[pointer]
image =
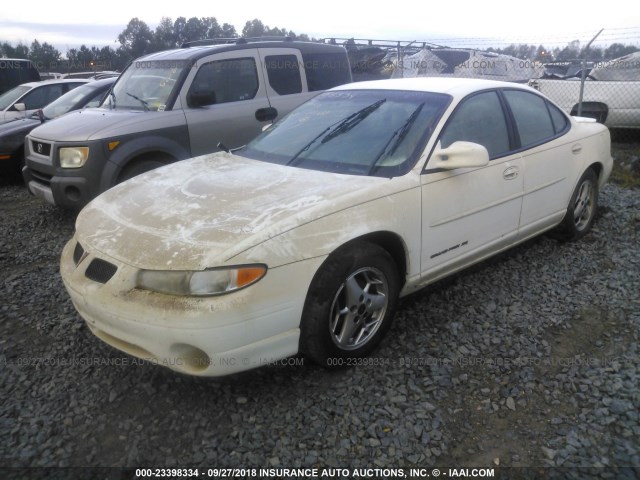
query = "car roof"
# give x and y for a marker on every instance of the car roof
(54, 81)
(456, 87)
(195, 52)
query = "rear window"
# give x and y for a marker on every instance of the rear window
(326, 70)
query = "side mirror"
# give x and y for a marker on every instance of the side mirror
(201, 99)
(20, 107)
(267, 114)
(459, 155)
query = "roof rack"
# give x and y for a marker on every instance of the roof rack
(236, 40)
(365, 42)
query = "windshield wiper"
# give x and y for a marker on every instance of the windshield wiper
(343, 126)
(144, 103)
(399, 135)
(353, 120)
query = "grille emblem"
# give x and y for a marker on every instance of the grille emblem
(39, 147)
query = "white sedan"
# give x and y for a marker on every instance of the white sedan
(303, 241)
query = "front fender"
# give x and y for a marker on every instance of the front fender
(172, 142)
(397, 214)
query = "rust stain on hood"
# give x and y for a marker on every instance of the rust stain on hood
(198, 213)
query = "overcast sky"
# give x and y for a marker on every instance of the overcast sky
(69, 23)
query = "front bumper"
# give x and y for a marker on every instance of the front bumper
(69, 188)
(204, 336)
(69, 192)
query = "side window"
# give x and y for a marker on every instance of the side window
(559, 120)
(227, 80)
(531, 115)
(283, 72)
(42, 96)
(326, 70)
(479, 119)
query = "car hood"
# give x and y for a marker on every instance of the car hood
(17, 126)
(98, 123)
(202, 212)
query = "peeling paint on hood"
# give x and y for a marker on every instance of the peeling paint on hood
(199, 213)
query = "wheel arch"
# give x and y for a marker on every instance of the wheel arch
(159, 155)
(144, 148)
(392, 243)
(596, 167)
(389, 241)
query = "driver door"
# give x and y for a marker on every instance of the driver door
(235, 84)
(469, 213)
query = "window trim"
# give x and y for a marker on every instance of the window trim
(515, 145)
(546, 101)
(265, 52)
(511, 133)
(230, 59)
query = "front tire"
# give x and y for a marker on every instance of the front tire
(582, 208)
(350, 304)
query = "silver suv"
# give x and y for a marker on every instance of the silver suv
(173, 105)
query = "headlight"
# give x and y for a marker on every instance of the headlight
(216, 281)
(73, 157)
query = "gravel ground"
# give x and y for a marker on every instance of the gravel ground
(527, 360)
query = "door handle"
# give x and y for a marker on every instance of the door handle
(266, 114)
(577, 148)
(510, 173)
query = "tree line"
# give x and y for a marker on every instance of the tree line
(138, 39)
(135, 40)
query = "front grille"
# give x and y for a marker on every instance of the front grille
(40, 177)
(41, 148)
(77, 253)
(100, 271)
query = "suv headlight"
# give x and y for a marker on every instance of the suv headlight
(215, 281)
(73, 157)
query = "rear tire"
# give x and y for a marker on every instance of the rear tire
(582, 208)
(350, 305)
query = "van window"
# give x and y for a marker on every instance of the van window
(284, 74)
(227, 80)
(326, 70)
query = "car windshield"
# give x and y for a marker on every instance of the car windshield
(8, 98)
(359, 132)
(146, 86)
(68, 101)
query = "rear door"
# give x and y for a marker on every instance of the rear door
(235, 82)
(547, 154)
(285, 78)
